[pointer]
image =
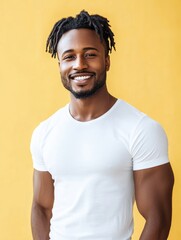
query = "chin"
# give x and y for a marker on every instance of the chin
(86, 94)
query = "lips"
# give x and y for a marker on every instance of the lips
(81, 76)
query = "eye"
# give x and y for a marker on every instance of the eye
(90, 55)
(68, 57)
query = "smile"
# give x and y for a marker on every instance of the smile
(80, 78)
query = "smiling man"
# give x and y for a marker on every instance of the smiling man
(89, 59)
(98, 154)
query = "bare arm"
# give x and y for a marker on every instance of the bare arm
(153, 192)
(43, 197)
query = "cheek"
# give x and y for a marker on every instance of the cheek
(98, 66)
(64, 68)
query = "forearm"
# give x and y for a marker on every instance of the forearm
(40, 223)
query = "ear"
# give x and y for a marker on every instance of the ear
(107, 62)
(58, 60)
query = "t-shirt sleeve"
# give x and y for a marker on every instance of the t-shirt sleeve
(149, 145)
(36, 148)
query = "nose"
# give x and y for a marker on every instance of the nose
(80, 63)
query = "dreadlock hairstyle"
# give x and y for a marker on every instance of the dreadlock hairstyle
(83, 20)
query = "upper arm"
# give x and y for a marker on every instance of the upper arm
(43, 189)
(153, 191)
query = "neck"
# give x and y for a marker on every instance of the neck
(91, 107)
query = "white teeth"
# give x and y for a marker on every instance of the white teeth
(81, 78)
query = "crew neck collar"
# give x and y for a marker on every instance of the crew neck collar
(107, 113)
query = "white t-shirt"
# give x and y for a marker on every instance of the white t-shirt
(92, 166)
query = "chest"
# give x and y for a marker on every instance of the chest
(72, 150)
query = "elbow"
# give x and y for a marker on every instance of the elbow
(159, 225)
(38, 209)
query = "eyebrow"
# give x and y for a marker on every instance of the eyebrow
(85, 49)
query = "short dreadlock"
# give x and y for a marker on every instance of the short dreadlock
(83, 20)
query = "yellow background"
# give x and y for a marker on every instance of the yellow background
(145, 71)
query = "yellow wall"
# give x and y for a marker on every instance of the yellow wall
(145, 71)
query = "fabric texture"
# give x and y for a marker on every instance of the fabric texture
(92, 165)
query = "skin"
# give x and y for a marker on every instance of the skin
(81, 53)
(43, 197)
(153, 193)
(85, 55)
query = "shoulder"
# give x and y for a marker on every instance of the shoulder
(144, 128)
(147, 140)
(139, 120)
(128, 112)
(148, 144)
(48, 124)
(126, 116)
(148, 127)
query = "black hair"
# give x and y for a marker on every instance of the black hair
(82, 20)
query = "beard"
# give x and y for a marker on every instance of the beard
(85, 93)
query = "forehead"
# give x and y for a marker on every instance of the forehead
(79, 39)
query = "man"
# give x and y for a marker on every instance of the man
(95, 155)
